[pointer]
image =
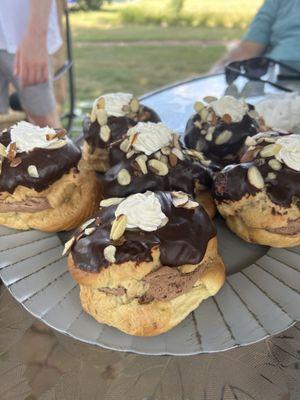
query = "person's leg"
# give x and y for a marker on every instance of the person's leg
(38, 101)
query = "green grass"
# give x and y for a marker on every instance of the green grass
(138, 68)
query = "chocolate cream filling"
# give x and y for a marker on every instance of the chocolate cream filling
(163, 285)
(227, 152)
(51, 166)
(183, 240)
(30, 205)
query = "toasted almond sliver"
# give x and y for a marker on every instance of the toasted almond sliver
(2, 150)
(130, 154)
(270, 150)
(158, 167)
(165, 151)
(57, 144)
(124, 146)
(89, 231)
(198, 124)
(134, 105)
(198, 106)
(178, 153)
(178, 194)
(32, 171)
(15, 162)
(123, 177)
(180, 201)
(227, 118)
(141, 161)
(275, 164)
(191, 205)
(204, 114)
(86, 224)
(118, 227)
(111, 201)
(224, 137)
(271, 176)
(100, 103)
(250, 141)
(195, 154)
(102, 117)
(105, 133)
(109, 253)
(255, 178)
(68, 245)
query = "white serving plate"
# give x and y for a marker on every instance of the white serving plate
(260, 298)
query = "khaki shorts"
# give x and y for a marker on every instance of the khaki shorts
(36, 100)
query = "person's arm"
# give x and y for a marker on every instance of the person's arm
(257, 39)
(31, 59)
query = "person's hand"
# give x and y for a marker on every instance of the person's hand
(31, 60)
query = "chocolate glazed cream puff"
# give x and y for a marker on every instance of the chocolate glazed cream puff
(111, 117)
(145, 262)
(153, 159)
(43, 184)
(260, 197)
(220, 128)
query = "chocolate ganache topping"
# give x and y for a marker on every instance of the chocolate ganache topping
(182, 236)
(155, 160)
(51, 164)
(221, 136)
(280, 182)
(116, 112)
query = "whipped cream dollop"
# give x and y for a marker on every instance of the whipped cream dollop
(151, 137)
(281, 111)
(115, 103)
(28, 137)
(143, 211)
(236, 108)
(290, 151)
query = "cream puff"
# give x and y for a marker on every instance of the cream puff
(220, 128)
(153, 159)
(260, 197)
(43, 184)
(111, 117)
(143, 263)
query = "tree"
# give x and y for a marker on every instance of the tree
(90, 4)
(177, 6)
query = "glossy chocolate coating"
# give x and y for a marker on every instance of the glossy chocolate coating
(240, 130)
(118, 127)
(232, 183)
(182, 241)
(51, 166)
(182, 177)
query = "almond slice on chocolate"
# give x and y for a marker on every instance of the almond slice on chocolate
(179, 199)
(57, 144)
(255, 178)
(86, 224)
(274, 164)
(105, 133)
(191, 205)
(118, 227)
(165, 151)
(158, 167)
(250, 141)
(111, 201)
(68, 245)
(32, 171)
(134, 105)
(123, 177)
(125, 145)
(109, 253)
(141, 162)
(178, 153)
(15, 162)
(223, 138)
(198, 106)
(2, 150)
(270, 150)
(102, 117)
(89, 231)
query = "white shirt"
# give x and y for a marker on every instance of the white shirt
(14, 16)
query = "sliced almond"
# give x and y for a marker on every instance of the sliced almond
(274, 164)
(57, 144)
(206, 163)
(270, 139)
(111, 201)
(93, 115)
(198, 106)
(164, 159)
(250, 141)
(118, 227)
(141, 162)
(134, 105)
(12, 151)
(86, 224)
(15, 162)
(100, 103)
(123, 177)
(176, 142)
(2, 150)
(132, 138)
(203, 114)
(124, 146)
(157, 155)
(89, 231)
(68, 245)
(209, 137)
(130, 154)
(255, 178)
(191, 205)
(178, 153)
(270, 150)
(109, 253)
(195, 154)
(271, 176)
(203, 132)
(105, 133)
(180, 201)
(178, 194)
(165, 150)
(32, 171)
(173, 160)
(209, 99)
(224, 137)
(158, 167)
(102, 117)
